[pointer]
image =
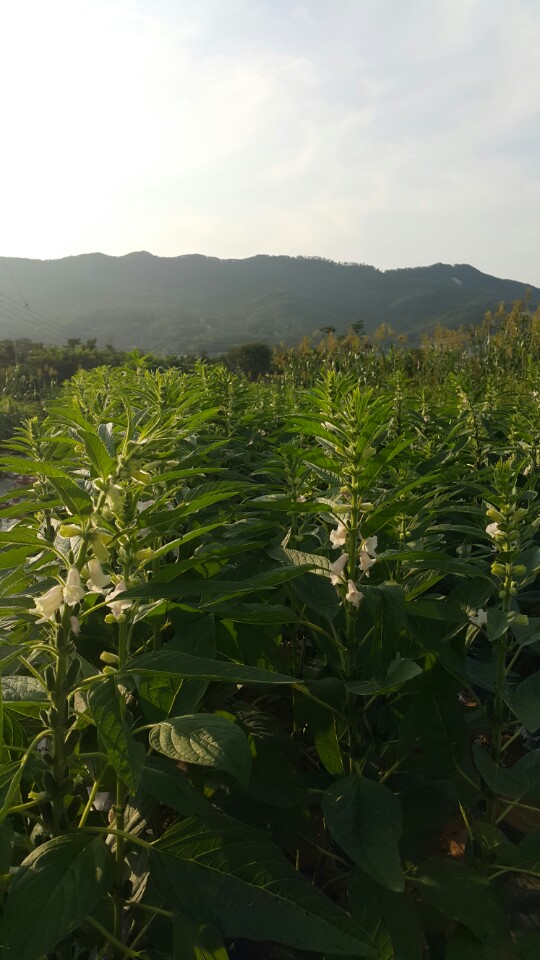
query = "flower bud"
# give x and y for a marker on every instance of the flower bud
(107, 657)
(69, 530)
(146, 554)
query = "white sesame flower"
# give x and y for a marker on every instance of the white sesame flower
(353, 595)
(367, 554)
(338, 537)
(493, 530)
(117, 607)
(75, 626)
(479, 618)
(98, 580)
(48, 604)
(337, 568)
(73, 591)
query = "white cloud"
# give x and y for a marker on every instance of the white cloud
(390, 133)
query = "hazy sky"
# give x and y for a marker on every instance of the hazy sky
(388, 132)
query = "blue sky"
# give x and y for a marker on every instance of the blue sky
(378, 131)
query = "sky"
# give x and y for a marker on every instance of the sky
(377, 131)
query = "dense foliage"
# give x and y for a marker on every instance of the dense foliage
(270, 679)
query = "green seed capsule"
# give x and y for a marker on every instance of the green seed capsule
(73, 671)
(72, 741)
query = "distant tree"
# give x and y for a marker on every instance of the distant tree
(254, 360)
(358, 327)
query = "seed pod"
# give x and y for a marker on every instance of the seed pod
(71, 741)
(64, 787)
(53, 716)
(50, 677)
(49, 783)
(72, 674)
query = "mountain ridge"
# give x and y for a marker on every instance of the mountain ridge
(192, 302)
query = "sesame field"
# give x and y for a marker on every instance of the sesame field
(270, 662)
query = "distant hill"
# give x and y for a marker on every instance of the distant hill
(193, 303)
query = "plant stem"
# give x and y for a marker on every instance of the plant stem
(120, 805)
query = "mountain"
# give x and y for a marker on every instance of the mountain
(193, 303)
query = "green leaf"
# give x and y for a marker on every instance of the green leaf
(97, 453)
(27, 689)
(55, 888)
(462, 945)
(527, 854)
(397, 909)
(459, 892)
(77, 501)
(178, 664)
(230, 876)
(164, 782)
(206, 740)
(498, 622)
(193, 941)
(125, 754)
(364, 818)
(503, 782)
(258, 613)
(399, 672)
(525, 702)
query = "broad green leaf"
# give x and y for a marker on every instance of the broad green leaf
(498, 622)
(397, 909)
(55, 888)
(527, 634)
(16, 557)
(503, 782)
(97, 453)
(193, 941)
(230, 876)
(17, 687)
(258, 613)
(525, 702)
(527, 854)
(459, 892)
(76, 500)
(125, 754)
(463, 945)
(364, 818)
(206, 740)
(157, 695)
(399, 672)
(183, 665)
(163, 780)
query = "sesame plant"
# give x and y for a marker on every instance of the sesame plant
(269, 677)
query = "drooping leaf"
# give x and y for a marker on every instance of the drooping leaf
(364, 818)
(503, 782)
(178, 664)
(399, 672)
(166, 783)
(55, 888)
(525, 702)
(459, 892)
(230, 876)
(398, 911)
